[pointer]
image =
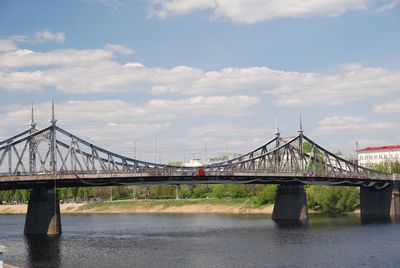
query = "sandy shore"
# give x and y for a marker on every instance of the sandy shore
(143, 207)
(5, 265)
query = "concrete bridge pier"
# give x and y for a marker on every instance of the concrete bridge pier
(380, 205)
(290, 204)
(43, 216)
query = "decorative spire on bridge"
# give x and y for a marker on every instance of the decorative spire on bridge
(53, 141)
(277, 131)
(32, 124)
(52, 120)
(301, 130)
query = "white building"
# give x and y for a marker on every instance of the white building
(193, 163)
(370, 156)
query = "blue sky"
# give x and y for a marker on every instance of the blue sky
(189, 72)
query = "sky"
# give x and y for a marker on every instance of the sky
(201, 78)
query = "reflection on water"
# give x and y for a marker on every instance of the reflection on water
(377, 220)
(290, 224)
(43, 250)
(121, 240)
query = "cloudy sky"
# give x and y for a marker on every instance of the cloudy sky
(196, 74)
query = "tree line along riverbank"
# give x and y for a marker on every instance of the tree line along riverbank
(200, 198)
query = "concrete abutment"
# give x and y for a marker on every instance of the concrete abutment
(43, 216)
(290, 204)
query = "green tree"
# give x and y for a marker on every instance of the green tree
(317, 162)
(74, 192)
(266, 195)
(63, 194)
(219, 191)
(8, 196)
(335, 199)
(219, 158)
(236, 191)
(201, 191)
(311, 192)
(307, 147)
(162, 192)
(388, 167)
(186, 191)
(135, 192)
(21, 196)
(84, 193)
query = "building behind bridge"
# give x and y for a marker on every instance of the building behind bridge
(193, 163)
(371, 156)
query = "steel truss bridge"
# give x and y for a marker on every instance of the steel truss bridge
(53, 157)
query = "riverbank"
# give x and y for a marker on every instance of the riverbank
(5, 265)
(220, 206)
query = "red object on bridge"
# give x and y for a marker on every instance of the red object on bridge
(200, 172)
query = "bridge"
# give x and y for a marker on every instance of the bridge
(50, 158)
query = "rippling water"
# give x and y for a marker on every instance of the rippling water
(156, 240)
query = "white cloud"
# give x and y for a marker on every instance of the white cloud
(7, 45)
(334, 124)
(40, 37)
(391, 107)
(114, 112)
(27, 58)
(95, 71)
(352, 124)
(46, 36)
(219, 129)
(162, 9)
(261, 10)
(303, 89)
(205, 106)
(389, 5)
(119, 49)
(115, 4)
(112, 124)
(226, 129)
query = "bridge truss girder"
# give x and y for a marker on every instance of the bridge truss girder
(57, 153)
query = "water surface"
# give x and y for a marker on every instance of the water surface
(164, 240)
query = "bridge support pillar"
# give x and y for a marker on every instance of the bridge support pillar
(380, 205)
(43, 216)
(290, 204)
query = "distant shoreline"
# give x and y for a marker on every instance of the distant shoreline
(193, 206)
(5, 265)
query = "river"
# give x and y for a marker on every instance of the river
(164, 240)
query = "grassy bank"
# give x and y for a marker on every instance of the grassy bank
(166, 203)
(202, 205)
